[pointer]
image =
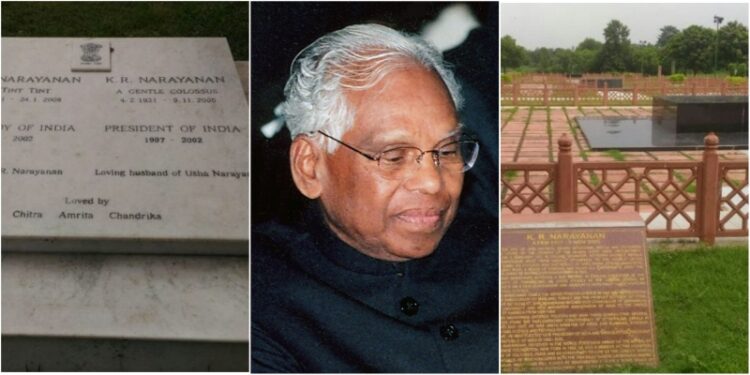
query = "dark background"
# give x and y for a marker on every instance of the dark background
(280, 30)
(130, 19)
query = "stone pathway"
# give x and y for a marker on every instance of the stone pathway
(530, 134)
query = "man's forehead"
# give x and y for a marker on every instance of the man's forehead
(398, 134)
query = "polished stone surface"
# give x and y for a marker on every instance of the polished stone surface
(644, 134)
(696, 114)
(151, 156)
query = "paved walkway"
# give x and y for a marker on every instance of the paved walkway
(530, 134)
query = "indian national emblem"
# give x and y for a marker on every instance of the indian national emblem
(91, 52)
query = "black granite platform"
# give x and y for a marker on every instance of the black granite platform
(695, 114)
(644, 134)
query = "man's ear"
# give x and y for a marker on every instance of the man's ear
(305, 159)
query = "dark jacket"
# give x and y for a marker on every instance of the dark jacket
(319, 305)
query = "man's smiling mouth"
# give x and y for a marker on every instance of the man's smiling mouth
(421, 219)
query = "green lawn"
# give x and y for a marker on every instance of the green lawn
(130, 19)
(700, 303)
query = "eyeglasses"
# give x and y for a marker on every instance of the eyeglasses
(457, 156)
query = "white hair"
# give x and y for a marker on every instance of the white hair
(354, 58)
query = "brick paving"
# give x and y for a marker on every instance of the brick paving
(530, 134)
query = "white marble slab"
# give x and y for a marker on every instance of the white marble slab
(154, 151)
(90, 55)
(152, 297)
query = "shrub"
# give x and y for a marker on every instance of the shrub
(738, 69)
(677, 78)
(737, 80)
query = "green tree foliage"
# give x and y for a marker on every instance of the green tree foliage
(589, 44)
(733, 47)
(543, 60)
(558, 60)
(692, 49)
(585, 56)
(665, 34)
(512, 55)
(564, 60)
(645, 59)
(616, 54)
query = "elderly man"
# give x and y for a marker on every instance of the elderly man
(381, 275)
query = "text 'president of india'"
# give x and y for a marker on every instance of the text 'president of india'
(382, 275)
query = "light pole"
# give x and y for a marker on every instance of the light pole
(717, 20)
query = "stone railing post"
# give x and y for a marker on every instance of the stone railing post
(516, 91)
(710, 192)
(635, 95)
(723, 88)
(565, 194)
(606, 94)
(575, 95)
(546, 93)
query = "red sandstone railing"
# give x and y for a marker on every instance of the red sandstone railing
(560, 91)
(706, 198)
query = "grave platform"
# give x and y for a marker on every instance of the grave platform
(701, 114)
(125, 226)
(677, 123)
(645, 134)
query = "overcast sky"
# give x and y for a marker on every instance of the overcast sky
(566, 25)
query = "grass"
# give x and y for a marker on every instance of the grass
(523, 134)
(573, 129)
(510, 116)
(510, 175)
(691, 188)
(701, 310)
(594, 178)
(130, 19)
(550, 141)
(615, 154)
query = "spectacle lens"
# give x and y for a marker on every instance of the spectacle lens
(454, 157)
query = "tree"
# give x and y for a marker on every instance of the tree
(563, 60)
(666, 33)
(585, 56)
(693, 49)
(615, 55)
(589, 44)
(645, 59)
(512, 55)
(732, 45)
(585, 61)
(542, 59)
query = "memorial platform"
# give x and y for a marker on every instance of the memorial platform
(132, 255)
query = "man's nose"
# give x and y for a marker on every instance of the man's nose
(426, 177)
